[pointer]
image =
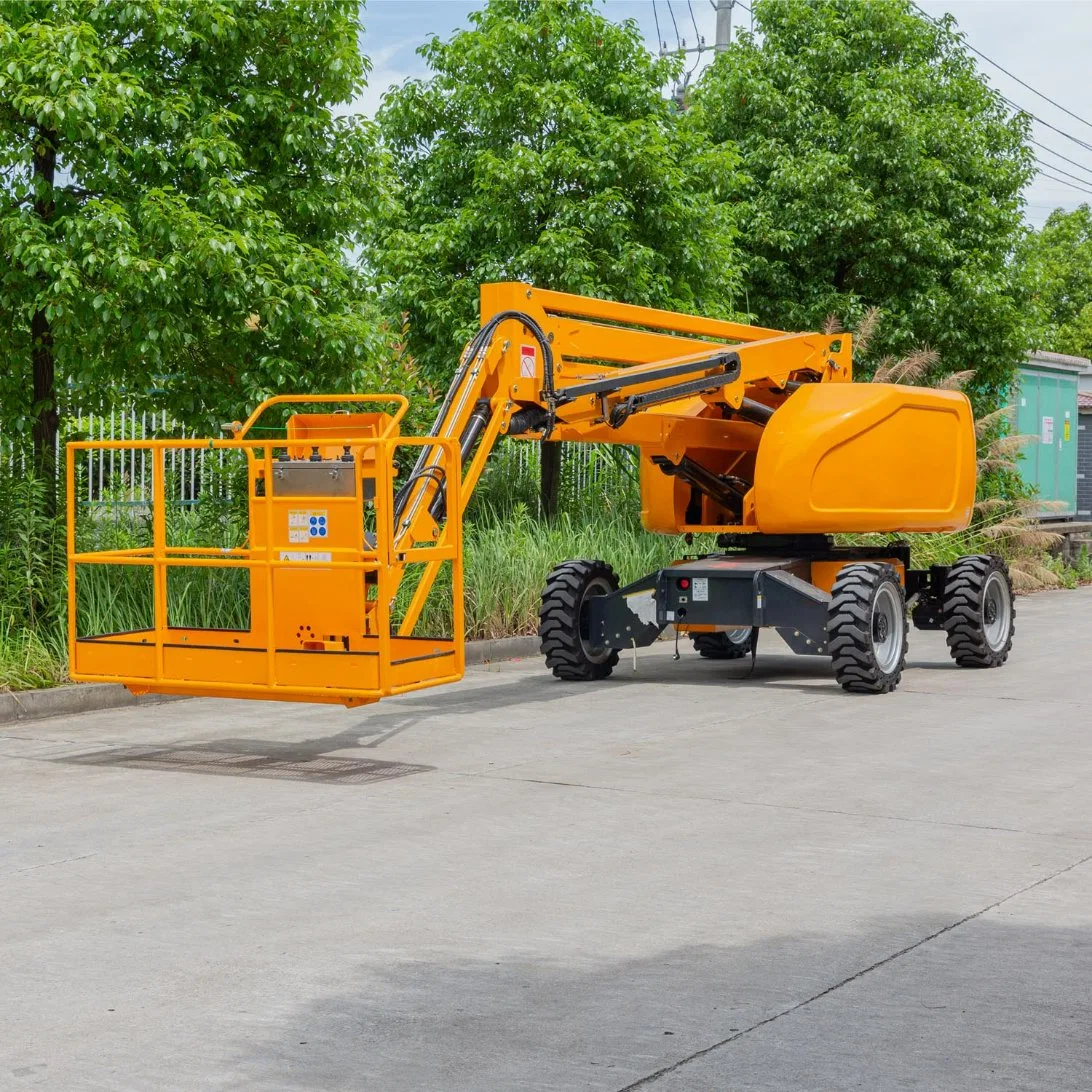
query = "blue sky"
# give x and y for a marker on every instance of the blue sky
(1045, 43)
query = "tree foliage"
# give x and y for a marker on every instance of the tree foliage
(541, 149)
(176, 199)
(882, 171)
(1057, 264)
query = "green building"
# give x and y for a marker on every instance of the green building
(1046, 409)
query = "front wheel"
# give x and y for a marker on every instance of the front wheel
(563, 621)
(867, 628)
(978, 612)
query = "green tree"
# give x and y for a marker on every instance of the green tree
(1056, 262)
(176, 201)
(542, 149)
(882, 171)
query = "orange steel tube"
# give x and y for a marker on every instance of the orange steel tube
(70, 530)
(326, 399)
(159, 570)
(161, 557)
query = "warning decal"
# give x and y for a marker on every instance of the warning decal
(305, 555)
(527, 367)
(307, 525)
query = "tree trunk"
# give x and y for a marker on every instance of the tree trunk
(45, 396)
(44, 373)
(550, 485)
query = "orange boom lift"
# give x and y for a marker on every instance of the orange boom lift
(756, 436)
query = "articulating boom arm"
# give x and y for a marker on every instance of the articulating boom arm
(687, 391)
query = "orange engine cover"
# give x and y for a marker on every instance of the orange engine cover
(866, 457)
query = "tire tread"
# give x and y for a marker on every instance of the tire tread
(559, 621)
(962, 611)
(849, 633)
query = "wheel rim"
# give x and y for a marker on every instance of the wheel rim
(595, 654)
(887, 628)
(738, 636)
(996, 611)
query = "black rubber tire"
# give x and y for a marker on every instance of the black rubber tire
(852, 628)
(718, 646)
(562, 622)
(967, 610)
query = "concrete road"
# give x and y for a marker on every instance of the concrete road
(686, 878)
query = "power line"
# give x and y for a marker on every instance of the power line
(699, 41)
(1016, 106)
(1011, 76)
(1068, 185)
(1035, 117)
(659, 36)
(693, 19)
(671, 12)
(1065, 158)
(1076, 178)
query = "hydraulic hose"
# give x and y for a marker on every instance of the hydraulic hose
(473, 353)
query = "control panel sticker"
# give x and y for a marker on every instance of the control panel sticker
(700, 588)
(307, 524)
(305, 555)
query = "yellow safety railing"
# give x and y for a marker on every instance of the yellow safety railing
(395, 672)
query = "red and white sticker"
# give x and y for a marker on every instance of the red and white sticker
(527, 369)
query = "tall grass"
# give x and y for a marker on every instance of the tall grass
(507, 557)
(31, 659)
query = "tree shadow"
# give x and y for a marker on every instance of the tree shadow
(990, 1005)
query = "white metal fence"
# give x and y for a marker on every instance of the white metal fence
(118, 477)
(589, 472)
(124, 477)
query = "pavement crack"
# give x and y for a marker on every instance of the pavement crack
(804, 808)
(978, 698)
(667, 1070)
(50, 864)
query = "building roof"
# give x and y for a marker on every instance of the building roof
(1059, 361)
(1084, 400)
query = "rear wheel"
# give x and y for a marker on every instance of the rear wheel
(563, 620)
(978, 611)
(733, 644)
(867, 628)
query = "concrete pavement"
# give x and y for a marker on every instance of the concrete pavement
(686, 878)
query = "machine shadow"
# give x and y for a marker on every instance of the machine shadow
(320, 758)
(809, 675)
(991, 1005)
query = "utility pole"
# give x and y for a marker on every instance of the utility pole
(724, 23)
